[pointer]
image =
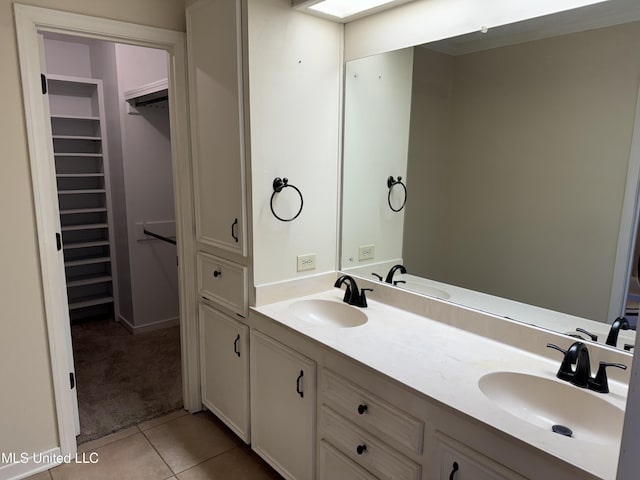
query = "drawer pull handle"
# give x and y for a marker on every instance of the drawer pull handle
(235, 345)
(454, 470)
(360, 449)
(300, 392)
(362, 408)
(233, 230)
(217, 273)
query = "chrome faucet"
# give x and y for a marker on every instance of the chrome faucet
(352, 296)
(393, 270)
(618, 324)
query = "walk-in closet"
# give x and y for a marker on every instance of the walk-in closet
(108, 105)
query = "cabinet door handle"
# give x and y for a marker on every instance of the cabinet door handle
(300, 392)
(233, 230)
(235, 345)
(362, 408)
(454, 470)
(217, 273)
(360, 449)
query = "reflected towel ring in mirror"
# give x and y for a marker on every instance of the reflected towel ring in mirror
(392, 182)
(278, 185)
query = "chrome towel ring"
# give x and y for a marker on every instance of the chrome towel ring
(392, 182)
(278, 185)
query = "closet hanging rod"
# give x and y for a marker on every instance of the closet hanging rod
(159, 237)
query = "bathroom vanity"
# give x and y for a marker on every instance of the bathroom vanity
(409, 396)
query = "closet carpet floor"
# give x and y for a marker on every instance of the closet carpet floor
(124, 379)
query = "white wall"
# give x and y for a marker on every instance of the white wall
(376, 142)
(27, 413)
(148, 182)
(424, 21)
(295, 67)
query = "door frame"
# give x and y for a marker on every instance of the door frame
(29, 21)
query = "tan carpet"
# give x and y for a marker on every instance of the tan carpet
(123, 379)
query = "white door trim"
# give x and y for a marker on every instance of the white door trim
(29, 20)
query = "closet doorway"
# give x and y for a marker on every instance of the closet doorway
(109, 112)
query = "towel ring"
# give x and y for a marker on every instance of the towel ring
(392, 182)
(278, 185)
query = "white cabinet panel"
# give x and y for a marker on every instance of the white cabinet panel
(217, 122)
(224, 351)
(283, 401)
(224, 282)
(332, 465)
(457, 462)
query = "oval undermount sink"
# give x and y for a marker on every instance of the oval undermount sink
(545, 402)
(425, 289)
(328, 313)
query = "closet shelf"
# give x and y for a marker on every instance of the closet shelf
(80, 281)
(73, 211)
(89, 226)
(148, 94)
(75, 137)
(76, 245)
(79, 175)
(76, 154)
(90, 301)
(86, 261)
(76, 117)
(81, 191)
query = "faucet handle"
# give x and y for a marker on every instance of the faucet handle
(378, 276)
(628, 346)
(600, 383)
(396, 282)
(565, 372)
(593, 337)
(363, 298)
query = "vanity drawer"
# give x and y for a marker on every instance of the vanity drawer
(371, 413)
(334, 465)
(223, 282)
(365, 449)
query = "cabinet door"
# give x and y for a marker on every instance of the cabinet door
(224, 348)
(458, 462)
(217, 122)
(283, 399)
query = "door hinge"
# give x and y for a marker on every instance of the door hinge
(72, 380)
(43, 81)
(58, 241)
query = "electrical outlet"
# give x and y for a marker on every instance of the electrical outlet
(366, 252)
(306, 262)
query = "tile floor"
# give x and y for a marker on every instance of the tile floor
(178, 446)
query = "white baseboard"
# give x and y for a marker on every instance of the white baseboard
(34, 463)
(149, 327)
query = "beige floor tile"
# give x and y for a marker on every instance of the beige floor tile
(160, 420)
(101, 442)
(237, 464)
(130, 458)
(190, 440)
(40, 476)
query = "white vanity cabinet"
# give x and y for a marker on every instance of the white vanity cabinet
(366, 429)
(224, 356)
(216, 79)
(283, 407)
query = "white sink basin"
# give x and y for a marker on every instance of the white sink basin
(328, 313)
(425, 289)
(545, 402)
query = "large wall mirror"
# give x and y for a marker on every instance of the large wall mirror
(514, 145)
